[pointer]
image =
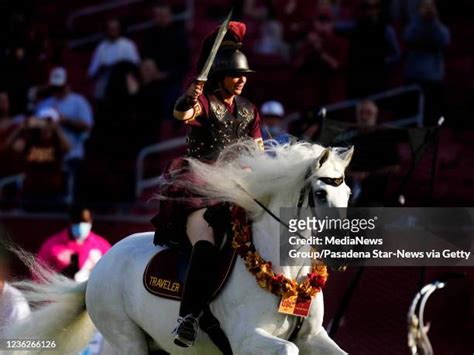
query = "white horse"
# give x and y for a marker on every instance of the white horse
(130, 318)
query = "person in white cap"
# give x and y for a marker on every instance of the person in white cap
(272, 113)
(75, 117)
(41, 144)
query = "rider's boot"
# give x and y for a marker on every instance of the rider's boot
(200, 280)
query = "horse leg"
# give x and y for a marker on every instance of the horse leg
(262, 342)
(121, 333)
(313, 338)
(125, 337)
(319, 343)
(105, 301)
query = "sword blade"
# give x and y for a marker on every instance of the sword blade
(215, 47)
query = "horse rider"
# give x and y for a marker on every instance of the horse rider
(217, 116)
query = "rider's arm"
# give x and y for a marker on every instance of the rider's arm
(188, 107)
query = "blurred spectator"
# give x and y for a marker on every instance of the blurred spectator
(427, 38)
(367, 113)
(9, 162)
(214, 10)
(295, 15)
(255, 9)
(13, 305)
(75, 119)
(115, 68)
(42, 144)
(4, 107)
(272, 113)
(23, 60)
(150, 106)
(167, 44)
(404, 11)
(373, 47)
(7, 121)
(322, 57)
(14, 28)
(15, 76)
(74, 251)
(112, 51)
(271, 41)
(309, 125)
(375, 157)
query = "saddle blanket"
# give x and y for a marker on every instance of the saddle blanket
(166, 271)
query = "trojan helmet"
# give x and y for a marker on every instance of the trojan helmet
(230, 61)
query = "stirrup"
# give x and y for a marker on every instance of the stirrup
(185, 332)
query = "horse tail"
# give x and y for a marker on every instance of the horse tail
(59, 309)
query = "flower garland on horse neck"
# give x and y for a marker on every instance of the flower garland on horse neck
(278, 284)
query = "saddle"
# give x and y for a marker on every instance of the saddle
(166, 271)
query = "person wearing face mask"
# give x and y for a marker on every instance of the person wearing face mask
(75, 250)
(272, 115)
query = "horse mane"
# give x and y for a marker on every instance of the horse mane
(243, 166)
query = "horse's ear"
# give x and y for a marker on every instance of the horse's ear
(318, 162)
(346, 154)
(323, 158)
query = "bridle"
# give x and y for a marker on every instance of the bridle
(307, 189)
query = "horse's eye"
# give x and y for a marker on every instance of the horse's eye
(321, 195)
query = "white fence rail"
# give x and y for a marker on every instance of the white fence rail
(11, 180)
(142, 183)
(400, 122)
(110, 6)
